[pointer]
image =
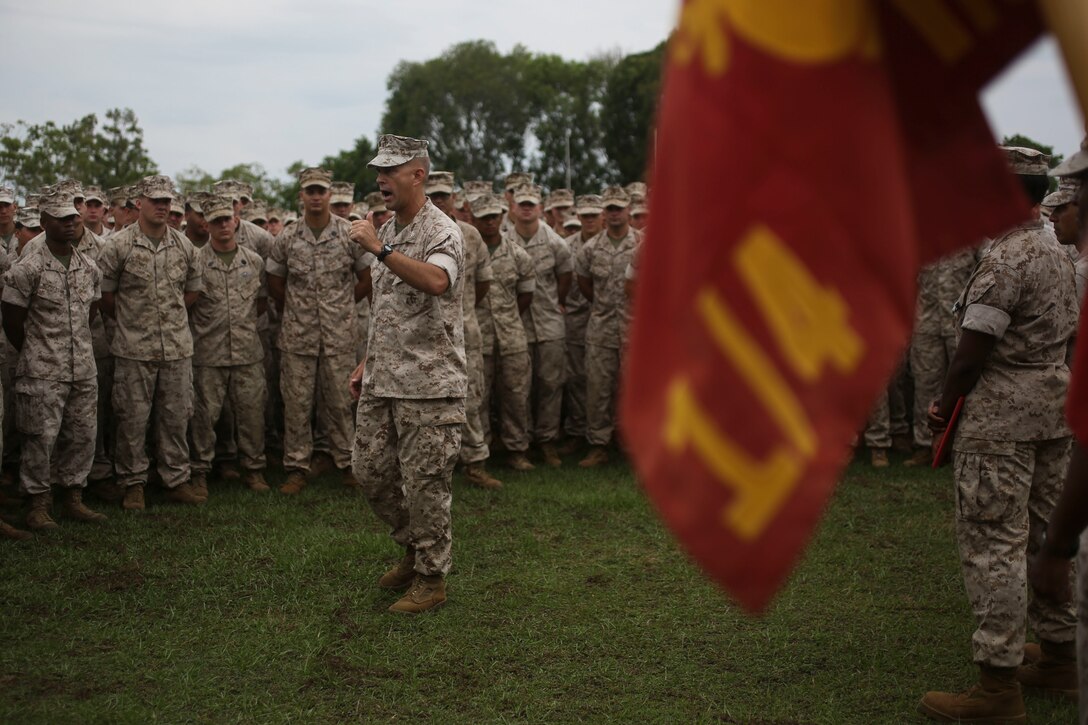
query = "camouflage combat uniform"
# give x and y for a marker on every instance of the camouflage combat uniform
(317, 336)
(1012, 444)
(152, 348)
(935, 332)
(576, 320)
(228, 356)
(545, 330)
(605, 263)
(477, 268)
(56, 386)
(412, 407)
(507, 370)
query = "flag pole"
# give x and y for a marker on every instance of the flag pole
(1068, 21)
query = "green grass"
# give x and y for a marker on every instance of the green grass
(569, 602)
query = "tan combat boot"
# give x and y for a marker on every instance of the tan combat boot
(183, 493)
(570, 445)
(227, 472)
(296, 481)
(348, 478)
(1053, 669)
(402, 574)
(320, 464)
(427, 592)
(134, 498)
(922, 457)
(597, 456)
(551, 455)
(519, 462)
(478, 475)
(995, 699)
(199, 484)
(38, 518)
(878, 457)
(254, 481)
(107, 489)
(8, 531)
(74, 508)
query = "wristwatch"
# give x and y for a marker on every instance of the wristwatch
(386, 251)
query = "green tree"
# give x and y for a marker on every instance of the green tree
(265, 187)
(119, 153)
(629, 110)
(351, 165)
(469, 103)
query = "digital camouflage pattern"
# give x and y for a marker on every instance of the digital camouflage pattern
(58, 422)
(512, 274)
(544, 319)
(140, 387)
(405, 450)
(319, 307)
(1022, 293)
(605, 263)
(149, 283)
(477, 269)
(224, 318)
(417, 341)
(243, 386)
(57, 344)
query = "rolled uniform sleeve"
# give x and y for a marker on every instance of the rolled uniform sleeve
(362, 258)
(277, 260)
(447, 254)
(18, 286)
(194, 280)
(990, 301)
(108, 265)
(581, 261)
(563, 261)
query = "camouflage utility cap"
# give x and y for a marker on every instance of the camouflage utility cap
(439, 182)
(94, 193)
(57, 203)
(615, 196)
(245, 191)
(560, 199)
(475, 188)
(32, 200)
(197, 199)
(397, 150)
(516, 179)
(527, 192)
(458, 200)
(177, 205)
(588, 204)
(1025, 161)
(485, 205)
(157, 187)
(132, 193)
(118, 195)
(28, 217)
(572, 222)
(72, 186)
(1066, 193)
(361, 209)
(257, 211)
(7, 194)
(217, 206)
(314, 176)
(375, 202)
(636, 188)
(343, 192)
(228, 187)
(1076, 164)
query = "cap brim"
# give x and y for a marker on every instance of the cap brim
(341, 200)
(526, 197)
(589, 210)
(7, 199)
(438, 189)
(616, 202)
(315, 182)
(220, 214)
(387, 160)
(487, 211)
(60, 212)
(1072, 166)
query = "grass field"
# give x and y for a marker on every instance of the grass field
(568, 602)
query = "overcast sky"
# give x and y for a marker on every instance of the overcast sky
(217, 83)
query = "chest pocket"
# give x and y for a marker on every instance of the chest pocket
(51, 289)
(249, 283)
(82, 283)
(543, 259)
(140, 267)
(177, 268)
(600, 267)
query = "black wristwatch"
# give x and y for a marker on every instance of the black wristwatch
(386, 251)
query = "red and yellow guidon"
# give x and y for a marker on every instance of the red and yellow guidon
(802, 31)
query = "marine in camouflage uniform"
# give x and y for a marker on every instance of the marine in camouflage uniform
(317, 280)
(602, 274)
(477, 282)
(413, 387)
(227, 351)
(507, 372)
(48, 301)
(933, 342)
(589, 208)
(148, 284)
(1018, 314)
(544, 326)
